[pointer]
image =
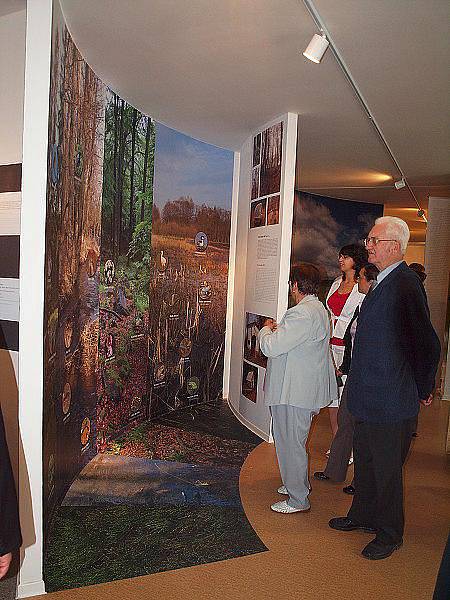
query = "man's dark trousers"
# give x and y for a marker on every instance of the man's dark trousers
(380, 449)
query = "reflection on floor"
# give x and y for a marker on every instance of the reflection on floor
(165, 496)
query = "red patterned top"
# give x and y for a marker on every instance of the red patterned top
(336, 303)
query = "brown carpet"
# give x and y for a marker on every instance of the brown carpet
(306, 559)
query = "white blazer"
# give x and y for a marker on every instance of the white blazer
(299, 367)
(340, 323)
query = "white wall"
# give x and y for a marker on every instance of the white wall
(415, 253)
(32, 247)
(12, 67)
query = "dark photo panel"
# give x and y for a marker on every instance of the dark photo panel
(256, 150)
(273, 210)
(9, 335)
(258, 213)
(249, 381)
(252, 351)
(255, 182)
(271, 155)
(9, 256)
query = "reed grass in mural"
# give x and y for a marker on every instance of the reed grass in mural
(188, 293)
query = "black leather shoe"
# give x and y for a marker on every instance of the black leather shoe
(346, 524)
(349, 489)
(320, 475)
(375, 550)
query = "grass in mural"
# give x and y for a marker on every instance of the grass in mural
(141, 540)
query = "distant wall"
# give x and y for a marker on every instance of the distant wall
(12, 68)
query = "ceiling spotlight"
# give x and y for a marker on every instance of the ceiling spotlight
(400, 184)
(316, 48)
(421, 213)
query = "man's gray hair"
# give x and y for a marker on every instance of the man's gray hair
(396, 229)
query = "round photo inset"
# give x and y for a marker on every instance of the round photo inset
(159, 373)
(85, 431)
(193, 385)
(68, 334)
(136, 404)
(109, 272)
(201, 241)
(66, 399)
(205, 291)
(185, 347)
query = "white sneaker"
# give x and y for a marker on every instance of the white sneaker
(283, 490)
(283, 507)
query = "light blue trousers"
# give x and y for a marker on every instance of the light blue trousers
(290, 428)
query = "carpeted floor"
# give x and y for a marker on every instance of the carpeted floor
(307, 560)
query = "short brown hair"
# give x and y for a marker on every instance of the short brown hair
(307, 277)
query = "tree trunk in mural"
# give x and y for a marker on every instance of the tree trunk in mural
(114, 188)
(133, 152)
(71, 270)
(148, 134)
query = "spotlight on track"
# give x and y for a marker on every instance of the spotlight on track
(316, 48)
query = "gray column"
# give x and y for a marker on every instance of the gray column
(437, 265)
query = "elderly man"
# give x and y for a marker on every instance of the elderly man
(395, 357)
(300, 380)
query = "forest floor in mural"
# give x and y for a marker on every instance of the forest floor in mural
(165, 495)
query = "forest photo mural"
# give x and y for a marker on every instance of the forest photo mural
(73, 230)
(141, 455)
(129, 148)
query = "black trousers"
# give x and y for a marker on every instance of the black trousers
(342, 444)
(379, 451)
(10, 536)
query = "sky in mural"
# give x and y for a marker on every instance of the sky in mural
(187, 167)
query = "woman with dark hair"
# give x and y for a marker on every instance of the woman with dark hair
(300, 380)
(342, 300)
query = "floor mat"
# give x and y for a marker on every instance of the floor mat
(164, 496)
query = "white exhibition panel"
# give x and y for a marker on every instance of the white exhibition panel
(261, 274)
(32, 240)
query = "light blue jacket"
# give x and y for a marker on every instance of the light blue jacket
(300, 371)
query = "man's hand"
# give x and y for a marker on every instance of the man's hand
(5, 561)
(427, 401)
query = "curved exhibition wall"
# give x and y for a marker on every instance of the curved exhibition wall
(136, 273)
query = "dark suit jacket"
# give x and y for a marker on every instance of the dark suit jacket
(396, 351)
(348, 342)
(10, 536)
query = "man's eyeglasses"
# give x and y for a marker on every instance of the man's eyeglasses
(375, 241)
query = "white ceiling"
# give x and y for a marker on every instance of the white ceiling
(10, 6)
(218, 69)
